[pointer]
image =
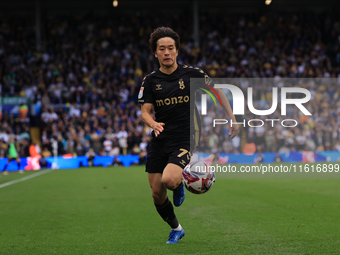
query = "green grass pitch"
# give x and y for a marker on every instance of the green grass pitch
(110, 211)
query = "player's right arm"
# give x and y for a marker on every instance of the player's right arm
(148, 120)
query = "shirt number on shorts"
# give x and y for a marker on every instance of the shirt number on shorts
(184, 151)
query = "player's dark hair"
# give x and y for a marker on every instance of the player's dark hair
(161, 32)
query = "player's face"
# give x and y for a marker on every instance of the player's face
(166, 51)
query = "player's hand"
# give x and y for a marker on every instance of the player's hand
(158, 128)
(233, 130)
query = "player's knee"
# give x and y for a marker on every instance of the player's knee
(170, 182)
(158, 197)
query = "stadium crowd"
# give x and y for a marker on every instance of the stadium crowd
(87, 77)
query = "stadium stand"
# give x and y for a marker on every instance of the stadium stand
(84, 83)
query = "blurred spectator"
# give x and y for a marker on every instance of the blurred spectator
(87, 146)
(142, 157)
(13, 155)
(74, 111)
(43, 162)
(122, 139)
(70, 146)
(277, 158)
(46, 152)
(284, 149)
(90, 154)
(249, 148)
(96, 144)
(24, 148)
(269, 141)
(79, 149)
(107, 145)
(3, 149)
(4, 136)
(337, 146)
(115, 151)
(24, 134)
(135, 150)
(87, 79)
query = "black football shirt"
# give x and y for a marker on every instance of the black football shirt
(170, 95)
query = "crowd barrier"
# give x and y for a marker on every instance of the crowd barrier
(126, 160)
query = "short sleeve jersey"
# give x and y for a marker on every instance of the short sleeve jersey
(170, 95)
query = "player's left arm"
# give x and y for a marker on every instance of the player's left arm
(234, 127)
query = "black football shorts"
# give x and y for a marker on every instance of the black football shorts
(159, 156)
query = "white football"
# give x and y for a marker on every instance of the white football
(197, 177)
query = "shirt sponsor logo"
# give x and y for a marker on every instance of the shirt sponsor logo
(172, 100)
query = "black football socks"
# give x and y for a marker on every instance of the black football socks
(166, 211)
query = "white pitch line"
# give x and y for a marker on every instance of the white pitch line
(25, 178)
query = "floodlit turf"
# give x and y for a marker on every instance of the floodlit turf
(110, 211)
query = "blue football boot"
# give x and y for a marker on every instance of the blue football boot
(179, 196)
(175, 236)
